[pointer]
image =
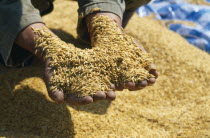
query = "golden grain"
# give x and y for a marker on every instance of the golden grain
(114, 58)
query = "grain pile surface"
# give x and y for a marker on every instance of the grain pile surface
(178, 105)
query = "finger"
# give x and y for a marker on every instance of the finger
(112, 87)
(75, 100)
(56, 96)
(130, 85)
(153, 70)
(110, 95)
(143, 84)
(151, 81)
(99, 95)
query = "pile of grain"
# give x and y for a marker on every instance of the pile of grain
(177, 105)
(115, 59)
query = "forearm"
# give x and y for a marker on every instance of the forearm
(25, 39)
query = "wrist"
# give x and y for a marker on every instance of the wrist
(25, 38)
(116, 19)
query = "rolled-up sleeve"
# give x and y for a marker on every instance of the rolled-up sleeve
(15, 15)
(115, 6)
